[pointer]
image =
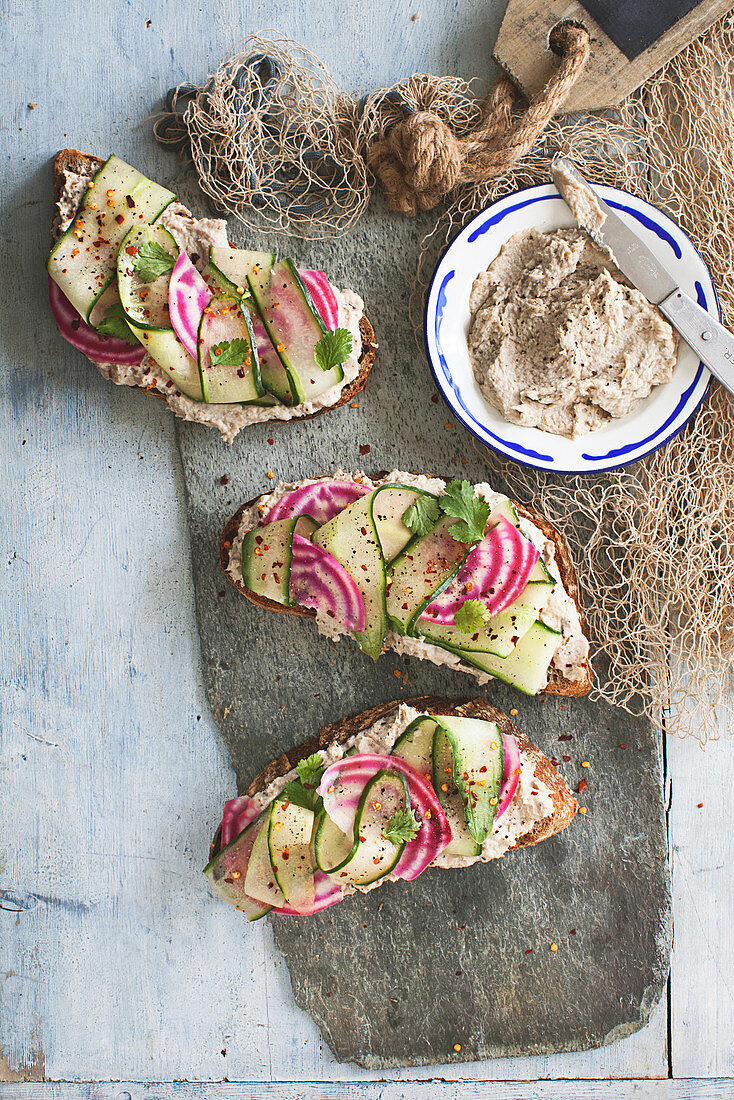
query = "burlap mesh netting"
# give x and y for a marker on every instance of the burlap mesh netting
(657, 564)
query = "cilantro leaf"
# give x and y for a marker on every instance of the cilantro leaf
(230, 353)
(310, 770)
(294, 791)
(471, 616)
(333, 348)
(114, 323)
(402, 827)
(151, 261)
(461, 501)
(420, 516)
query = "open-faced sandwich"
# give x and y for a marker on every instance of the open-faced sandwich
(380, 797)
(454, 573)
(160, 300)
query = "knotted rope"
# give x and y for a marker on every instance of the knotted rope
(270, 134)
(420, 159)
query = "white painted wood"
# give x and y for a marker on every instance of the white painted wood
(395, 1090)
(119, 964)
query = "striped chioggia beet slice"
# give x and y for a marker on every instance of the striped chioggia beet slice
(318, 580)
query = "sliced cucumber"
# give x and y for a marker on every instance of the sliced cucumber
(477, 750)
(145, 304)
(372, 855)
(217, 282)
(260, 881)
(289, 840)
(295, 327)
(351, 538)
(499, 635)
(421, 572)
(226, 319)
(331, 846)
(173, 359)
(415, 744)
(391, 503)
(228, 870)
(527, 666)
(462, 843)
(235, 264)
(83, 261)
(267, 553)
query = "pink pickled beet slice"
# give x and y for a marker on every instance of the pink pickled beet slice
(318, 580)
(495, 572)
(324, 298)
(327, 893)
(341, 789)
(75, 330)
(323, 500)
(238, 813)
(510, 773)
(188, 296)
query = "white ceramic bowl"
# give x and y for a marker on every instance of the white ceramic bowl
(658, 418)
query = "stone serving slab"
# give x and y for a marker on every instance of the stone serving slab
(399, 976)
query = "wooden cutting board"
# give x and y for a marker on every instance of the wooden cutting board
(631, 40)
(399, 976)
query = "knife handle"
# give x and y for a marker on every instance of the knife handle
(713, 343)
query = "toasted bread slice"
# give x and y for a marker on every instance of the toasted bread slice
(564, 804)
(71, 160)
(558, 684)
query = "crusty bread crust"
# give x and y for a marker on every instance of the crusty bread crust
(73, 161)
(564, 804)
(557, 684)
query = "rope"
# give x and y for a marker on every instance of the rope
(420, 159)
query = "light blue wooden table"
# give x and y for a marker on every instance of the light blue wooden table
(115, 964)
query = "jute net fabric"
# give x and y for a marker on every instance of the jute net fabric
(293, 153)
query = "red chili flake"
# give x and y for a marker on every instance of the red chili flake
(582, 786)
(271, 441)
(286, 853)
(572, 932)
(434, 398)
(119, 218)
(365, 449)
(224, 480)
(566, 737)
(565, 759)
(623, 746)
(529, 951)
(483, 768)
(240, 372)
(76, 323)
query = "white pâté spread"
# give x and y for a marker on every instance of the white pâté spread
(196, 236)
(559, 340)
(531, 803)
(560, 612)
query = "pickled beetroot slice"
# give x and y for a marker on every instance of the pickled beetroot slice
(238, 813)
(318, 580)
(341, 788)
(76, 331)
(324, 298)
(323, 500)
(327, 892)
(188, 296)
(496, 572)
(510, 773)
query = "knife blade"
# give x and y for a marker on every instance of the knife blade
(713, 343)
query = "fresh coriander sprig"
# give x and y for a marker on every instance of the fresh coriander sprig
(471, 616)
(401, 827)
(461, 501)
(151, 261)
(230, 353)
(311, 770)
(333, 348)
(114, 323)
(420, 516)
(302, 791)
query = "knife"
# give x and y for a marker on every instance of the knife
(713, 343)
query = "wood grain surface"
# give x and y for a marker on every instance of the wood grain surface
(115, 963)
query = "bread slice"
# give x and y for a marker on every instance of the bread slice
(71, 160)
(564, 804)
(558, 684)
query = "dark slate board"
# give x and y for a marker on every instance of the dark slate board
(380, 973)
